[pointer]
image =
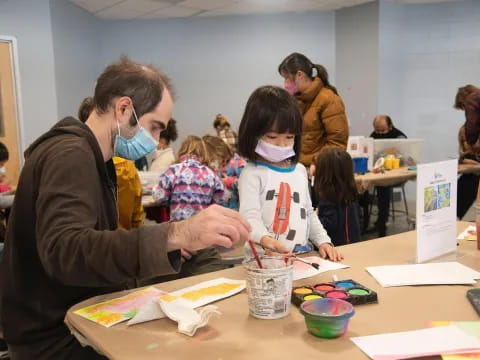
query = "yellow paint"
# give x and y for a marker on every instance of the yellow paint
(396, 164)
(168, 298)
(220, 289)
(303, 291)
(311, 297)
(388, 164)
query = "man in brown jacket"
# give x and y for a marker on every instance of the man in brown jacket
(63, 243)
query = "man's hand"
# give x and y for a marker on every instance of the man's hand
(213, 226)
(273, 247)
(187, 254)
(327, 251)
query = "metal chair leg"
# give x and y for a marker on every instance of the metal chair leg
(405, 201)
(392, 201)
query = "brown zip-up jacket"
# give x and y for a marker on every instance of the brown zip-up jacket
(63, 244)
(324, 121)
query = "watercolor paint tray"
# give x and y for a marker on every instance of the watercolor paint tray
(348, 290)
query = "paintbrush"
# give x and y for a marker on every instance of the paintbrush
(315, 265)
(255, 254)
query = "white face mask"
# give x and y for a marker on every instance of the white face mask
(274, 153)
(3, 171)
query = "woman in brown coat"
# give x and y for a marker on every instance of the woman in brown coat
(324, 121)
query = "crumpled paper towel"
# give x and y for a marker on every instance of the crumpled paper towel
(189, 320)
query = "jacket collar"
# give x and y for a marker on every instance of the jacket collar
(311, 92)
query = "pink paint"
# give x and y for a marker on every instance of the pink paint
(336, 294)
(324, 287)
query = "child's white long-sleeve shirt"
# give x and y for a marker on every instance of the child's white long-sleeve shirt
(276, 202)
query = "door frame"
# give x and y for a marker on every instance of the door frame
(17, 94)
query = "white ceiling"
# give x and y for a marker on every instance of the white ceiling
(158, 9)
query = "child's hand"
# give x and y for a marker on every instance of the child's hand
(327, 251)
(273, 247)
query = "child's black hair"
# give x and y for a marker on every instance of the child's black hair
(269, 108)
(3, 152)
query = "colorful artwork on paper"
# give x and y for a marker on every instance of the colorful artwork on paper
(111, 312)
(470, 327)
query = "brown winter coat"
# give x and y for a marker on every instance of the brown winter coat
(324, 121)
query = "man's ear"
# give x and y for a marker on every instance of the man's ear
(123, 109)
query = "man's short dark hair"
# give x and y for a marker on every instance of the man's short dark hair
(388, 119)
(3, 152)
(144, 84)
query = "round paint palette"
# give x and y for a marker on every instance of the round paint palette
(348, 290)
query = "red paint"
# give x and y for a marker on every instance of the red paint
(336, 294)
(324, 287)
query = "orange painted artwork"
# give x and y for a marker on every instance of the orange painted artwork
(205, 292)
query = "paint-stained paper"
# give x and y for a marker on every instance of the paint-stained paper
(302, 270)
(142, 305)
(470, 327)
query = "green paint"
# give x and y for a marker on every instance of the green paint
(358, 292)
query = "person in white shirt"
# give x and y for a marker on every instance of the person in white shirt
(273, 186)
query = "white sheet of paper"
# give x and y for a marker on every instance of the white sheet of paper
(470, 233)
(423, 274)
(436, 209)
(302, 270)
(425, 342)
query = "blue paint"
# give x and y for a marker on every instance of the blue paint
(345, 284)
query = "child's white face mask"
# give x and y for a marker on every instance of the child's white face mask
(274, 153)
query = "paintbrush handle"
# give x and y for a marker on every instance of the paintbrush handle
(255, 254)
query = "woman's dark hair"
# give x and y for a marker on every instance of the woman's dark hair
(170, 133)
(3, 152)
(299, 62)
(86, 107)
(462, 94)
(334, 179)
(144, 84)
(269, 108)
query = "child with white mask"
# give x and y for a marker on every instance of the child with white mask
(273, 186)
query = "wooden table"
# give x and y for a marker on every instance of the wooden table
(388, 178)
(398, 176)
(236, 335)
